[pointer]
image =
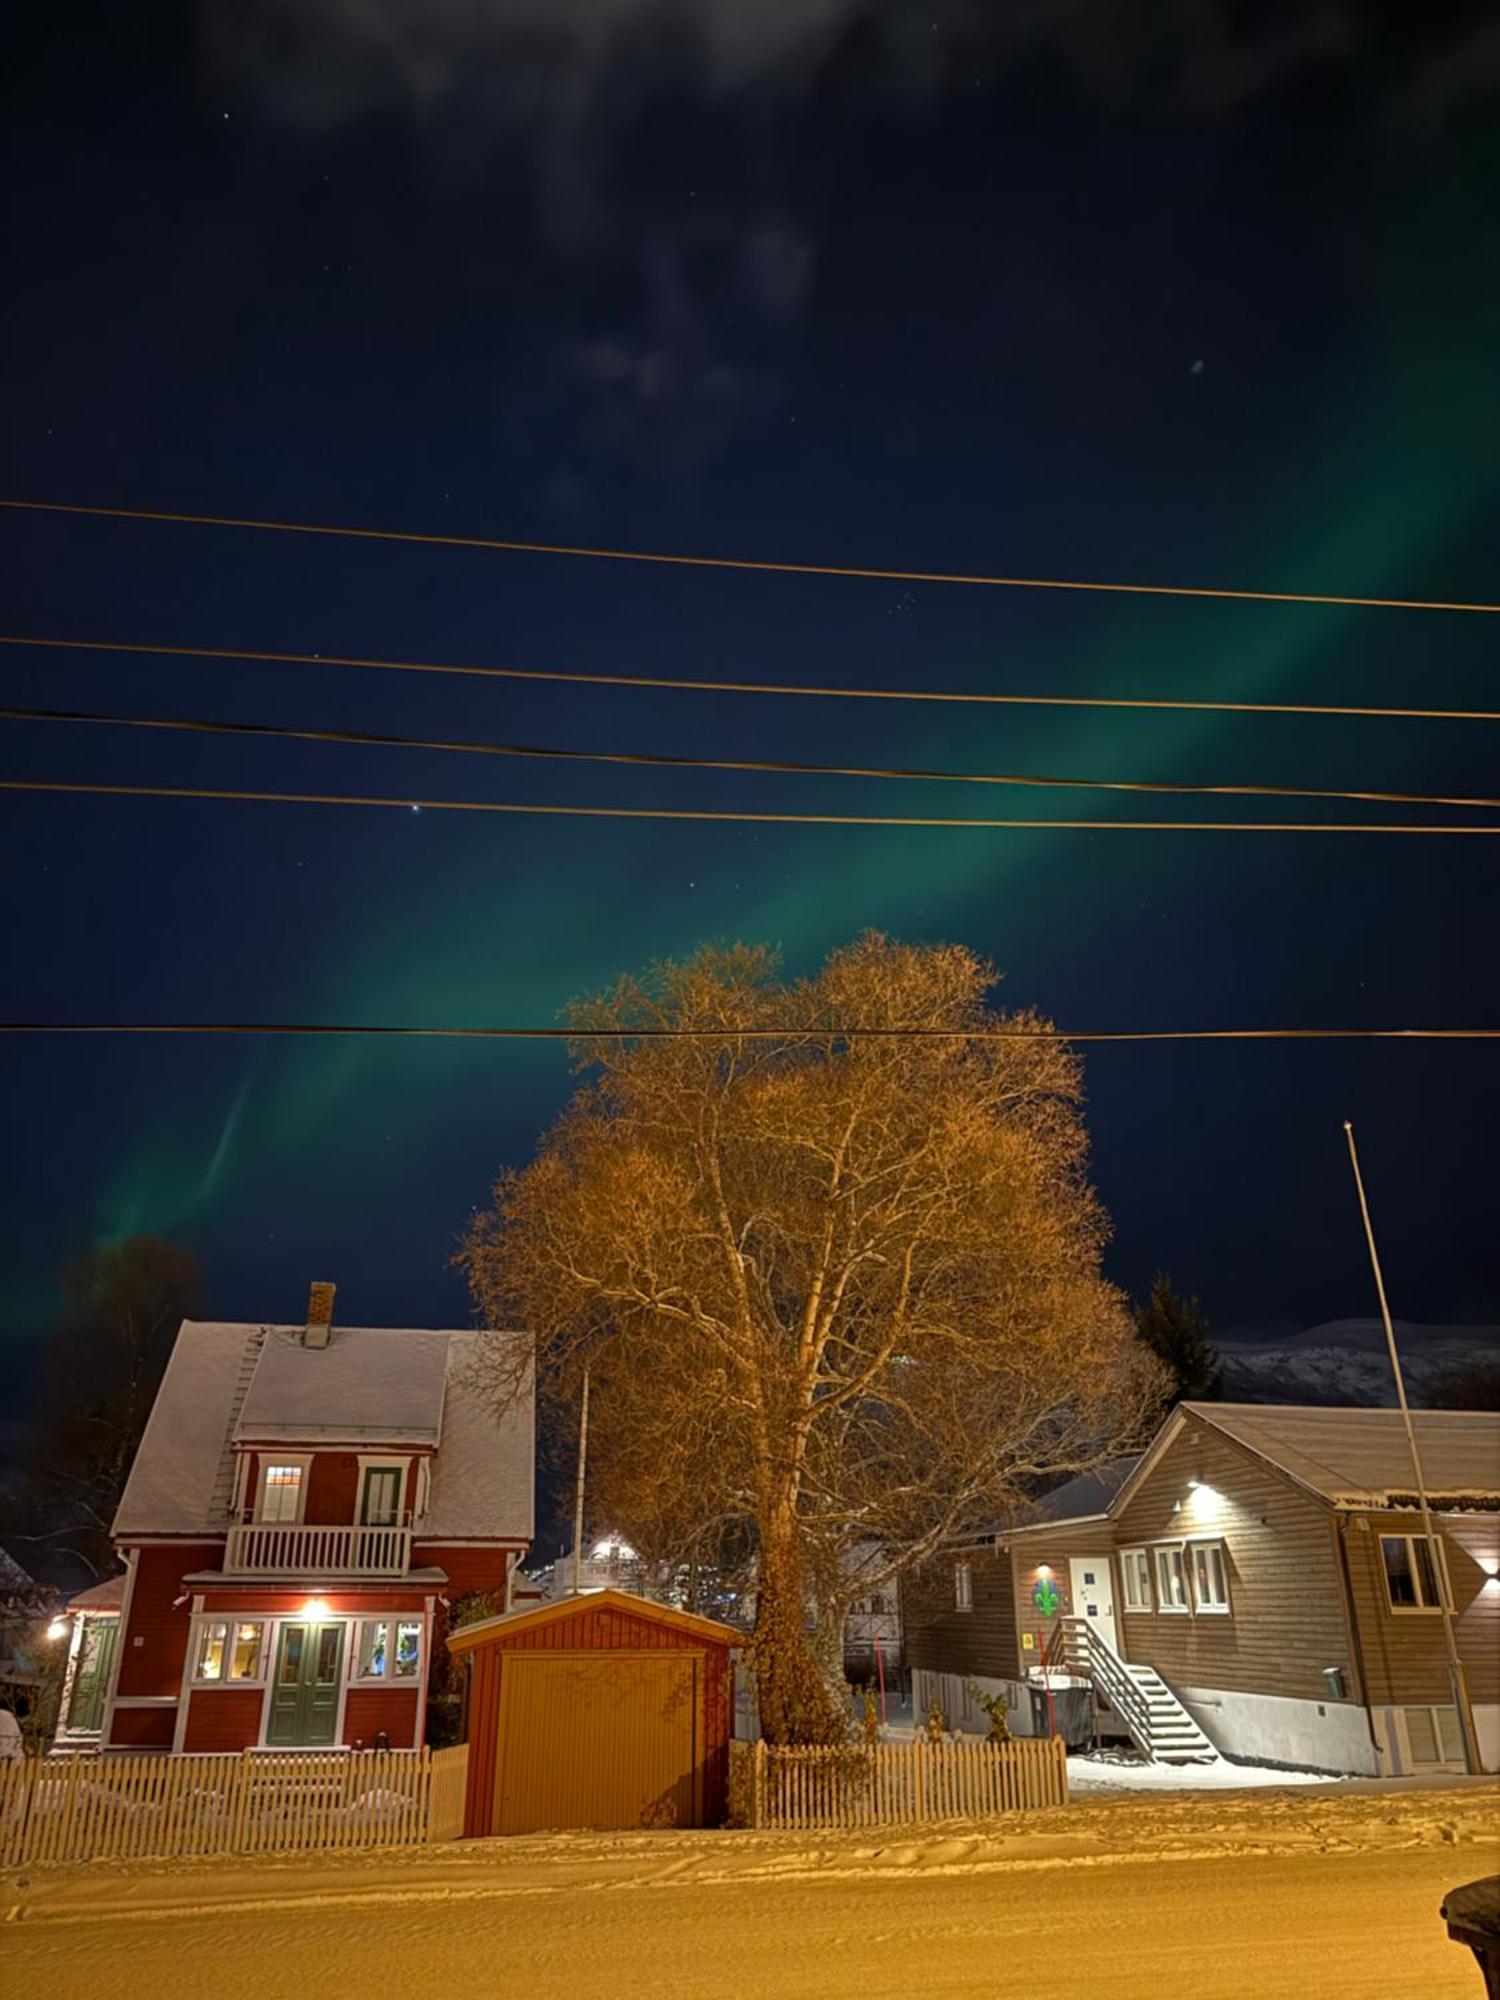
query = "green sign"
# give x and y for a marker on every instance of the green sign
(1046, 1597)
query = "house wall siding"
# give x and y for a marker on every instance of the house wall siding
(223, 1718)
(942, 1639)
(1055, 1547)
(1288, 1609)
(370, 1710)
(142, 1728)
(1405, 1657)
(154, 1642)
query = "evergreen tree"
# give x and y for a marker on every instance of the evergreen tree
(1176, 1331)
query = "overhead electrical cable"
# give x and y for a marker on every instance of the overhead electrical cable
(765, 565)
(724, 1034)
(573, 678)
(409, 803)
(360, 738)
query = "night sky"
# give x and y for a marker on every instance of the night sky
(1023, 289)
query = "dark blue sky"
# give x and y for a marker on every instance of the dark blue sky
(1035, 290)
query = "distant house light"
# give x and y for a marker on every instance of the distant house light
(58, 1629)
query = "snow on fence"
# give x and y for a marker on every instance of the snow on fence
(158, 1807)
(899, 1784)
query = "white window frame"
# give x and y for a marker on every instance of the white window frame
(202, 1625)
(963, 1586)
(1161, 1554)
(1131, 1597)
(423, 1494)
(390, 1678)
(1440, 1563)
(1202, 1607)
(303, 1462)
(383, 1461)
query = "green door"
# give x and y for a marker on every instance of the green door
(96, 1655)
(305, 1694)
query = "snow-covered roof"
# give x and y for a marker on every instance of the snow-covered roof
(371, 1383)
(14, 1581)
(1084, 1498)
(1360, 1458)
(235, 1383)
(106, 1596)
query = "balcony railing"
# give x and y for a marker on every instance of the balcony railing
(286, 1548)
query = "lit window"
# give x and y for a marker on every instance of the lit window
(390, 1649)
(1136, 1571)
(281, 1493)
(1412, 1565)
(1210, 1586)
(963, 1587)
(1171, 1578)
(229, 1650)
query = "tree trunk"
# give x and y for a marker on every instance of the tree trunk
(796, 1705)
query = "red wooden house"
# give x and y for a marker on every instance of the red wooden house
(305, 1504)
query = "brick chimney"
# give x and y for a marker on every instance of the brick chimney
(319, 1316)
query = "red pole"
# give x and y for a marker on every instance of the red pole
(880, 1676)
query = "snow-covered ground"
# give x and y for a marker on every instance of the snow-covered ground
(1303, 1893)
(1109, 1772)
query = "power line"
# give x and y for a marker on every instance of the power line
(699, 686)
(811, 1033)
(705, 813)
(200, 725)
(864, 570)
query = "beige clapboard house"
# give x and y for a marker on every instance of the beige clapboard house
(1255, 1586)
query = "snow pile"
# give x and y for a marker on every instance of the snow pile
(1107, 1771)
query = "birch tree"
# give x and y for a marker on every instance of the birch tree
(831, 1287)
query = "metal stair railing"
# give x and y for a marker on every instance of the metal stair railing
(1091, 1654)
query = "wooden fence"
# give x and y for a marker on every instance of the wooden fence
(901, 1784)
(157, 1807)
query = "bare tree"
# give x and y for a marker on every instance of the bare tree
(832, 1288)
(123, 1305)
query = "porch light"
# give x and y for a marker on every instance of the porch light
(315, 1607)
(1044, 1569)
(58, 1629)
(1205, 1501)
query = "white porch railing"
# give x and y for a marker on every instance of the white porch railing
(285, 1548)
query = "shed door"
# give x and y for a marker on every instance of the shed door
(596, 1740)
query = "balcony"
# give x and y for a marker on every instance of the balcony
(286, 1548)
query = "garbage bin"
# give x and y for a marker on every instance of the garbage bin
(1472, 1915)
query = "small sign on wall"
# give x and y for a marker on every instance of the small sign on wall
(1028, 1642)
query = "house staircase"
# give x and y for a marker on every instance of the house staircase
(1160, 1727)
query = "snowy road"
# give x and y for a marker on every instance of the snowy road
(1247, 1897)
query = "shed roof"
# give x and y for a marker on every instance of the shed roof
(534, 1617)
(231, 1383)
(1356, 1459)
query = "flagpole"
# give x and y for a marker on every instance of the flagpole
(1456, 1673)
(583, 1459)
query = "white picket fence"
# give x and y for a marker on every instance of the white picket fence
(904, 1784)
(158, 1807)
